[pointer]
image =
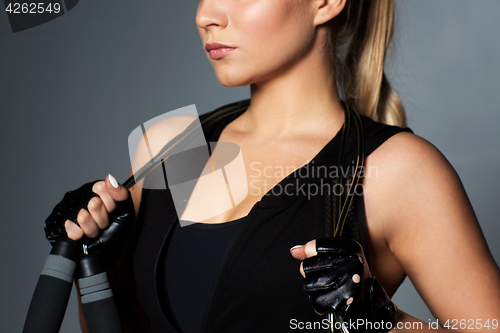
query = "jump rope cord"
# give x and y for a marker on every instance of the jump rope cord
(341, 210)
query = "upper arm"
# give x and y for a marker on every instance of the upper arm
(430, 228)
(150, 143)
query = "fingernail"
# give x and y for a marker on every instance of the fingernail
(294, 247)
(113, 181)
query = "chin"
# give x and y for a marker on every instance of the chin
(231, 84)
(232, 79)
(229, 76)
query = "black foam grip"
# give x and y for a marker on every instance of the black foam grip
(102, 316)
(48, 305)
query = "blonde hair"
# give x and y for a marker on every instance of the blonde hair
(358, 41)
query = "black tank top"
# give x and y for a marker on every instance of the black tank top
(257, 286)
(193, 256)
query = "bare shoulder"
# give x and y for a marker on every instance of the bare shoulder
(407, 167)
(156, 136)
(405, 153)
(152, 140)
(417, 188)
(161, 132)
(420, 218)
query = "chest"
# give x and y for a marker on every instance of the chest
(232, 183)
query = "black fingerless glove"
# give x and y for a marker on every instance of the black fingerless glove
(108, 245)
(67, 209)
(338, 280)
(100, 253)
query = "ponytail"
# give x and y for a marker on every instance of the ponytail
(358, 42)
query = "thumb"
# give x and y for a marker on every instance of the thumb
(116, 191)
(298, 252)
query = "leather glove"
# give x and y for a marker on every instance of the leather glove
(67, 209)
(100, 253)
(338, 280)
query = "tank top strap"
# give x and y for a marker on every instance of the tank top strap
(377, 133)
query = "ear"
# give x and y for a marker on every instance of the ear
(325, 10)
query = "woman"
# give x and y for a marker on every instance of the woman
(415, 212)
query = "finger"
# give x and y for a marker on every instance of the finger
(110, 191)
(301, 270)
(74, 232)
(302, 252)
(101, 189)
(117, 191)
(87, 223)
(310, 249)
(298, 252)
(98, 211)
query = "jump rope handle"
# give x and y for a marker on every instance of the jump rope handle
(98, 303)
(50, 299)
(52, 292)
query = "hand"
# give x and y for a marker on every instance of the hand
(338, 279)
(99, 215)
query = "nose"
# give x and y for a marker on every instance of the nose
(211, 14)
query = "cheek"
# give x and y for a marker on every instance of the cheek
(270, 34)
(258, 22)
(269, 25)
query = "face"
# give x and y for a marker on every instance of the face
(268, 36)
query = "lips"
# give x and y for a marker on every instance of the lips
(218, 50)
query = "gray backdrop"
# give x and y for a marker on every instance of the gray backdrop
(72, 90)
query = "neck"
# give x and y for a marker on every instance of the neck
(300, 99)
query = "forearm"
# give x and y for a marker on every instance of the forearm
(407, 323)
